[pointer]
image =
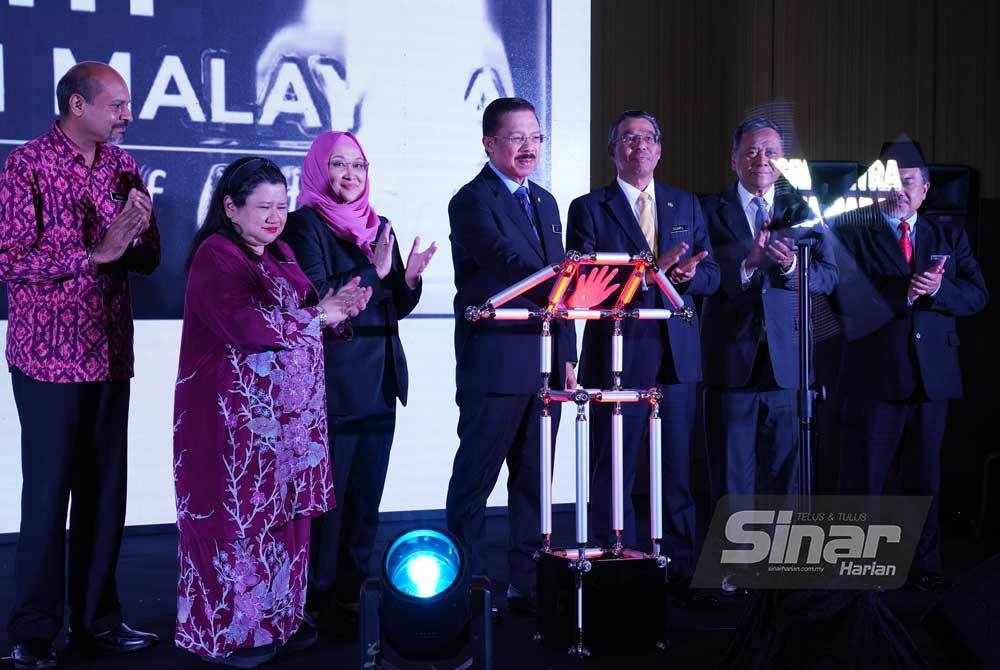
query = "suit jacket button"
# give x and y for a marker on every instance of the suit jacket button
(918, 336)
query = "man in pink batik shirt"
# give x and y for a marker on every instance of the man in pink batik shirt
(75, 219)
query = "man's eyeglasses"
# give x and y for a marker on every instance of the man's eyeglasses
(341, 166)
(521, 140)
(633, 140)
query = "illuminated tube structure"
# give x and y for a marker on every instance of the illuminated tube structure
(555, 309)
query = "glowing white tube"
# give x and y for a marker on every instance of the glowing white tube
(655, 477)
(652, 314)
(616, 352)
(546, 472)
(582, 475)
(512, 314)
(618, 396)
(579, 612)
(668, 289)
(582, 314)
(602, 258)
(617, 477)
(524, 285)
(545, 358)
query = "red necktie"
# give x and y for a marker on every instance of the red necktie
(904, 243)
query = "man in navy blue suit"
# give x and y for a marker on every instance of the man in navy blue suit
(901, 371)
(634, 214)
(504, 227)
(750, 326)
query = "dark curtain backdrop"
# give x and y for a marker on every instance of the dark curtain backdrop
(856, 73)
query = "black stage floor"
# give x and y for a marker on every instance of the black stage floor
(696, 639)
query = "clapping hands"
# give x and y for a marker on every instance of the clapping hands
(348, 301)
(385, 243)
(417, 262)
(131, 222)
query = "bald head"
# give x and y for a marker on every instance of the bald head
(86, 80)
(93, 105)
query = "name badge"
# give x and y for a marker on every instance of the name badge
(680, 228)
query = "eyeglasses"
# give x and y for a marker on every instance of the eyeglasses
(521, 140)
(341, 166)
(633, 139)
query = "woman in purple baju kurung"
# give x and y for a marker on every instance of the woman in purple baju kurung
(251, 465)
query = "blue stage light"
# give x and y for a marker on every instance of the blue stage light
(423, 564)
(425, 609)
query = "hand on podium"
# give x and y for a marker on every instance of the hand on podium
(570, 378)
(592, 288)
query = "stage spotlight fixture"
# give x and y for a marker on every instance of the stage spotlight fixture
(425, 610)
(422, 563)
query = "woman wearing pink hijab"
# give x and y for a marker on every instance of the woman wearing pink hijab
(337, 236)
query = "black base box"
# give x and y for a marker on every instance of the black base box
(624, 602)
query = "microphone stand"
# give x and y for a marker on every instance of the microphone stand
(806, 394)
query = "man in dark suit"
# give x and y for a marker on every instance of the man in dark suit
(635, 214)
(750, 326)
(899, 375)
(503, 228)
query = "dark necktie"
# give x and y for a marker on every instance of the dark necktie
(522, 195)
(905, 245)
(761, 218)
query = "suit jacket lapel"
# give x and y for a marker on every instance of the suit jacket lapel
(666, 215)
(888, 243)
(922, 246)
(734, 216)
(621, 210)
(517, 224)
(549, 226)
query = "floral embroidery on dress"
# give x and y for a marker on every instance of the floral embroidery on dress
(243, 552)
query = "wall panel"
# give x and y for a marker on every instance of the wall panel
(857, 73)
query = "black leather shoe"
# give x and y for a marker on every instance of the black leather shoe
(34, 656)
(119, 639)
(306, 636)
(342, 622)
(731, 590)
(930, 582)
(519, 602)
(245, 658)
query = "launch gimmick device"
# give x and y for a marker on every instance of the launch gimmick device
(625, 589)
